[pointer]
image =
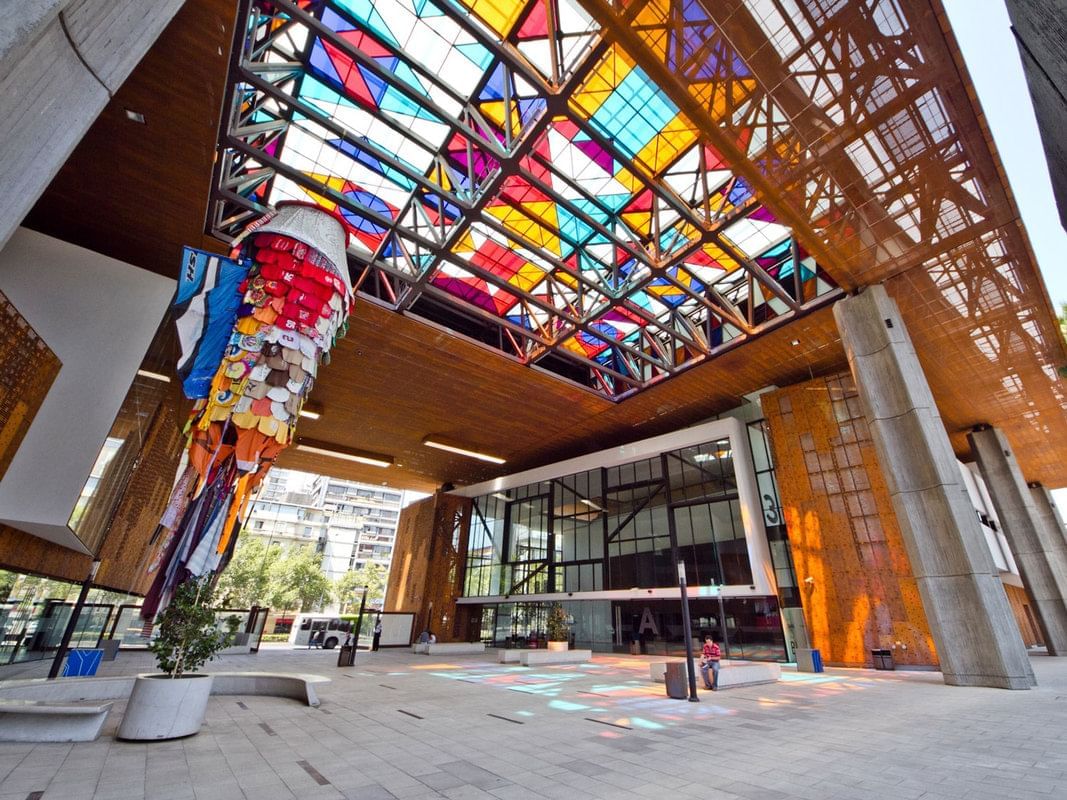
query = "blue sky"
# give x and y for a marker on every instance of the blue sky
(984, 33)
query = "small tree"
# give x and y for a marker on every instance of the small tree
(188, 633)
(298, 578)
(246, 581)
(557, 628)
(351, 584)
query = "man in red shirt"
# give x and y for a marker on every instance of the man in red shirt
(709, 660)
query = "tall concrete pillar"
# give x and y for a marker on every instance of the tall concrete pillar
(1037, 546)
(1047, 508)
(977, 639)
(60, 63)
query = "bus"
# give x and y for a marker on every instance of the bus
(319, 631)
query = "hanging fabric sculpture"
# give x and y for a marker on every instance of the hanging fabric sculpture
(253, 331)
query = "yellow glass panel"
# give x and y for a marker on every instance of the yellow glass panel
(499, 15)
(676, 136)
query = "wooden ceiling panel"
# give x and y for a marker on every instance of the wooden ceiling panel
(138, 193)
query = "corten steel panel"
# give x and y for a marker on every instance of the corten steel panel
(27, 369)
(842, 528)
(881, 146)
(427, 572)
(1022, 606)
(407, 575)
(128, 531)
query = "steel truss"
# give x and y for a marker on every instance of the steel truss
(576, 295)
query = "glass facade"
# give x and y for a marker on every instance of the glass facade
(623, 528)
(613, 528)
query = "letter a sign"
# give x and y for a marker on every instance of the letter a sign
(648, 622)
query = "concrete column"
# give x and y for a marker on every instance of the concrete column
(60, 63)
(1047, 508)
(977, 639)
(1038, 548)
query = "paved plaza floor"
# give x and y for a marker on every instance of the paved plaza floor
(406, 726)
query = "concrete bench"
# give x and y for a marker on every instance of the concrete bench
(449, 649)
(513, 655)
(270, 684)
(534, 658)
(42, 721)
(732, 673)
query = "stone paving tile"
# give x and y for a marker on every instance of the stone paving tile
(848, 735)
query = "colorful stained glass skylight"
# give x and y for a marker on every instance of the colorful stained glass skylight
(502, 159)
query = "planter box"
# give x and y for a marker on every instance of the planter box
(161, 707)
(558, 646)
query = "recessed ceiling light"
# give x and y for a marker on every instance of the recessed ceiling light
(462, 451)
(135, 116)
(144, 373)
(343, 453)
(311, 411)
(795, 342)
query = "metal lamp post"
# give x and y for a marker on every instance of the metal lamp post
(688, 633)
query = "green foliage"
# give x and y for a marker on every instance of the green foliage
(296, 581)
(188, 634)
(246, 581)
(556, 625)
(348, 589)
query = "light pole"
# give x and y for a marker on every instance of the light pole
(359, 622)
(61, 651)
(688, 633)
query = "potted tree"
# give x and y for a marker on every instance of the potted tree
(172, 704)
(559, 633)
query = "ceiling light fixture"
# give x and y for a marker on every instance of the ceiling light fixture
(144, 373)
(343, 453)
(311, 411)
(135, 116)
(501, 496)
(590, 503)
(451, 448)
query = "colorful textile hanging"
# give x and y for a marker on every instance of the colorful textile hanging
(253, 330)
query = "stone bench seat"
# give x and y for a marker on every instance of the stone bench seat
(535, 658)
(43, 721)
(270, 684)
(449, 649)
(732, 673)
(37, 693)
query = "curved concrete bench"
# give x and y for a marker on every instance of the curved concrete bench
(41, 721)
(731, 673)
(34, 710)
(272, 684)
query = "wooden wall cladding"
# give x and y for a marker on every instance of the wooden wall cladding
(1022, 606)
(27, 369)
(427, 573)
(21, 552)
(842, 527)
(127, 532)
(129, 538)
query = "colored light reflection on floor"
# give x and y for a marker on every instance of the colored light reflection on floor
(615, 690)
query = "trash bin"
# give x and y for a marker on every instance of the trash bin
(677, 680)
(808, 660)
(883, 659)
(346, 656)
